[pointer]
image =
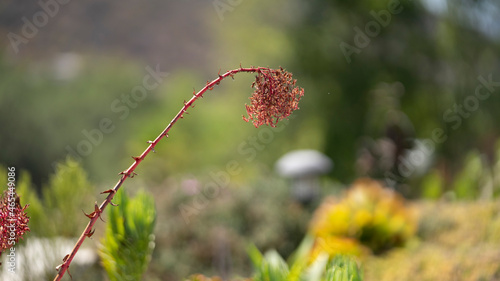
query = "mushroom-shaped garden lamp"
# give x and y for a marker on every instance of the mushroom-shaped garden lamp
(304, 167)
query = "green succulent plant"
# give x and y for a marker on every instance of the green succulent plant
(129, 240)
(272, 267)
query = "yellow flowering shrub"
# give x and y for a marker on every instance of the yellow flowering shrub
(369, 218)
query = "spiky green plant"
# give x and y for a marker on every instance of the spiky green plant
(343, 268)
(129, 240)
(272, 267)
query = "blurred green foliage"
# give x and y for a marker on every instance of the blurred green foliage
(396, 88)
(410, 79)
(129, 240)
(432, 185)
(268, 267)
(54, 113)
(262, 215)
(68, 193)
(58, 211)
(468, 180)
(73, 110)
(476, 178)
(405, 79)
(214, 239)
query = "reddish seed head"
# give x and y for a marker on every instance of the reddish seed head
(13, 220)
(275, 97)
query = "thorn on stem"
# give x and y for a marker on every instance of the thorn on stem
(109, 191)
(90, 233)
(136, 158)
(95, 213)
(113, 204)
(90, 216)
(69, 273)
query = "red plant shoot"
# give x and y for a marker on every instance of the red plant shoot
(275, 98)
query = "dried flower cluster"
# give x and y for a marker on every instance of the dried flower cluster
(275, 97)
(13, 220)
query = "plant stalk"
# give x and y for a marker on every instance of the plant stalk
(129, 173)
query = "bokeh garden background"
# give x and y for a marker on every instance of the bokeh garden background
(404, 92)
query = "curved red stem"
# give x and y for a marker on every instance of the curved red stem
(137, 160)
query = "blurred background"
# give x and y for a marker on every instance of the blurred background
(404, 92)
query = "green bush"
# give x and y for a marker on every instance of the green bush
(467, 184)
(261, 213)
(58, 211)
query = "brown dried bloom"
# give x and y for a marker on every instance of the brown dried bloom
(275, 97)
(13, 220)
